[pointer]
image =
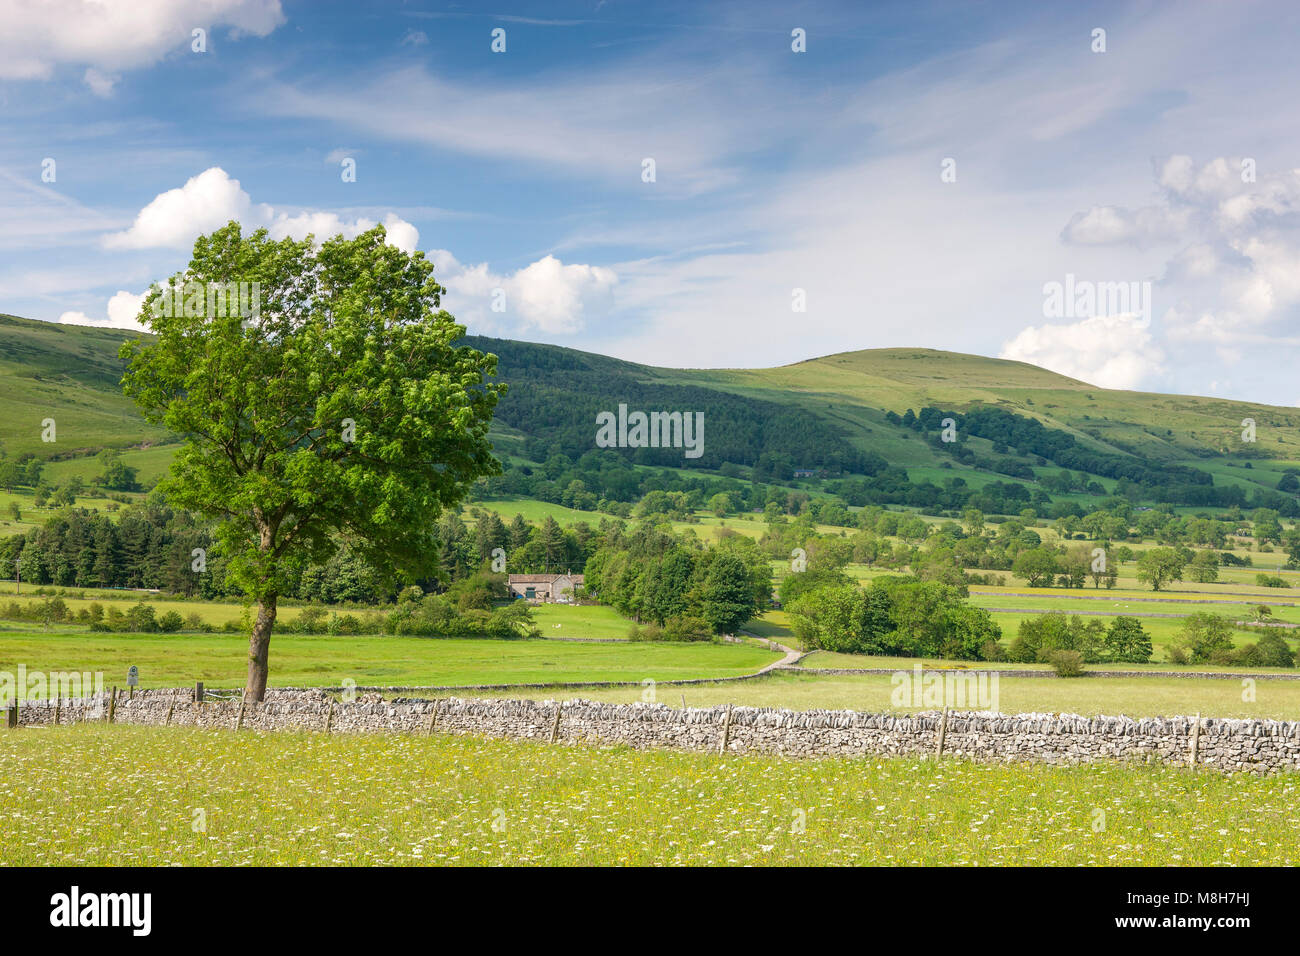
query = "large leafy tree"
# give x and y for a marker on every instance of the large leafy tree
(727, 594)
(1160, 566)
(342, 407)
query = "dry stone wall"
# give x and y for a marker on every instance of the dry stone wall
(1259, 746)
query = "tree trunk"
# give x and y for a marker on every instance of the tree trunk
(259, 648)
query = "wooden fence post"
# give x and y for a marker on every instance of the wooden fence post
(329, 716)
(943, 732)
(112, 705)
(198, 692)
(170, 705)
(555, 727)
(58, 705)
(11, 716)
(1196, 740)
(433, 720)
(683, 701)
(239, 722)
(726, 731)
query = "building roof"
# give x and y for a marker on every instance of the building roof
(543, 578)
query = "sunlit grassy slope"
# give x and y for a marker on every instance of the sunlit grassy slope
(72, 374)
(856, 385)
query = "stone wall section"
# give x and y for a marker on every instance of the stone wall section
(1260, 746)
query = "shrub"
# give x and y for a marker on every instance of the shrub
(310, 621)
(1020, 651)
(969, 631)
(993, 651)
(1127, 641)
(1273, 652)
(687, 627)
(1066, 663)
(425, 615)
(473, 623)
(140, 619)
(1041, 634)
(51, 610)
(345, 624)
(512, 620)
(170, 623)
(645, 632)
(1206, 635)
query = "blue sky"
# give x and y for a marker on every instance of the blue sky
(1168, 161)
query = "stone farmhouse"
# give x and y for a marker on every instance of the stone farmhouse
(545, 588)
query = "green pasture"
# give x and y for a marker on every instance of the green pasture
(296, 661)
(1132, 696)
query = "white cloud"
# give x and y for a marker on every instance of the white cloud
(174, 219)
(1236, 277)
(401, 233)
(554, 296)
(324, 225)
(115, 36)
(546, 295)
(123, 309)
(1112, 351)
(121, 313)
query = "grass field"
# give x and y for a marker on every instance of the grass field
(195, 797)
(580, 621)
(707, 526)
(221, 660)
(150, 465)
(829, 659)
(1131, 696)
(33, 517)
(554, 620)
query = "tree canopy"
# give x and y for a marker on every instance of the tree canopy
(338, 405)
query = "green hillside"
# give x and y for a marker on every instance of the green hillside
(837, 414)
(1149, 424)
(71, 374)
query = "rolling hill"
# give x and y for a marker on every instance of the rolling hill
(71, 374)
(839, 414)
